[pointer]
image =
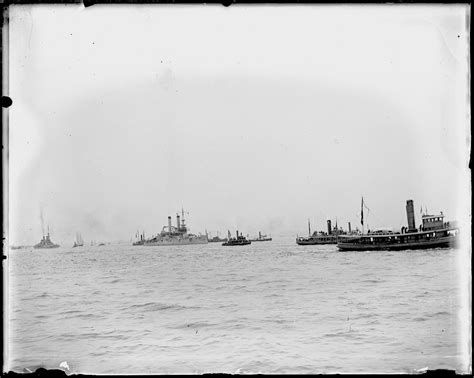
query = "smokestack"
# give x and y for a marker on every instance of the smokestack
(410, 216)
(237, 232)
(169, 223)
(259, 235)
(177, 221)
(349, 224)
(329, 227)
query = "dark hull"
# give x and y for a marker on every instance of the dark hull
(46, 246)
(315, 241)
(261, 240)
(446, 242)
(231, 243)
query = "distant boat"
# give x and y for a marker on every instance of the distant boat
(261, 238)
(101, 244)
(215, 239)
(140, 238)
(320, 237)
(46, 243)
(79, 242)
(238, 240)
(432, 233)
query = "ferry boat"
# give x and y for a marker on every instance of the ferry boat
(171, 235)
(79, 242)
(261, 238)
(434, 232)
(238, 240)
(321, 237)
(46, 243)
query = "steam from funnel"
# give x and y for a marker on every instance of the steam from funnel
(41, 218)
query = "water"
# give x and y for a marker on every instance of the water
(271, 307)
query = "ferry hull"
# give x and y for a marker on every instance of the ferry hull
(446, 242)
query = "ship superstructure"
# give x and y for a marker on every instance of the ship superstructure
(176, 235)
(46, 242)
(434, 232)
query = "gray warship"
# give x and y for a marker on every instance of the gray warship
(46, 242)
(171, 235)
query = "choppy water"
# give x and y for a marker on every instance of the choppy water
(271, 307)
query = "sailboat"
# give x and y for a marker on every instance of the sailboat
(79, 242)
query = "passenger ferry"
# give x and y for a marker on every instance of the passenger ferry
(434, 232)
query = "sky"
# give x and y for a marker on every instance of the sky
(254, 118)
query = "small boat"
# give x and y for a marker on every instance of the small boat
(140, 238)
(238, 240)
(101, 244)
(215, 239)
(434, 232)
(261, 238)
(79, 242)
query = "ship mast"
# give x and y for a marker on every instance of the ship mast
(309, 228)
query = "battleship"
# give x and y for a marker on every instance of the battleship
(434, 232)
(261, 238)
(171, 235)
(238, 240)
(46, 243)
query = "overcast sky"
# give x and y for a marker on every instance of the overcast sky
(250, 117)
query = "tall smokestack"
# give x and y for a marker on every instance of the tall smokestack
(410, 216)
(237, 232)
(259, 235)
(177, 221)
(349, 225)
(169, 223)
(329, 227)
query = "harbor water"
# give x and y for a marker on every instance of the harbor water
(269, 307)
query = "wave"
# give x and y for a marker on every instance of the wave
(157, 306)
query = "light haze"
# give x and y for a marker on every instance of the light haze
(253, 118)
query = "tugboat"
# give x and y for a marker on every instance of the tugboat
(238, 240)
(46, 243)
(261, 238)
(79, 242)
(432, 233)
(320, 237)
(178, 235)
